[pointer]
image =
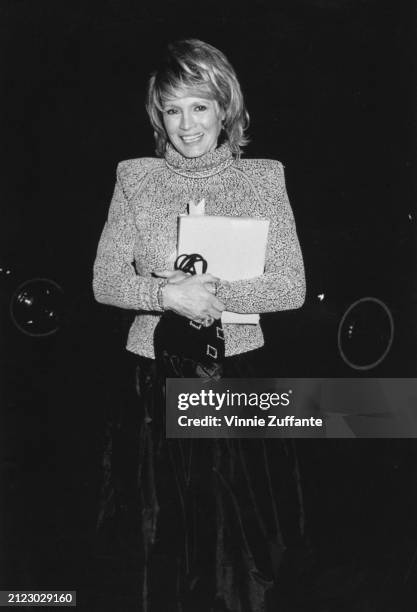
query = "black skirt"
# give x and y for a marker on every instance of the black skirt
(200, 517)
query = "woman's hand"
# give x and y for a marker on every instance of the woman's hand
(193, 297)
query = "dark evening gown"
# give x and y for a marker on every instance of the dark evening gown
(202, 516)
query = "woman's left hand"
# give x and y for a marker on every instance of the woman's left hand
(177, 276)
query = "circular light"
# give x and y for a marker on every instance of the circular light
(365, 334)
(36, 307)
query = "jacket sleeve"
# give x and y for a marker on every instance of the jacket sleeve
(282, 286)
(115, 281)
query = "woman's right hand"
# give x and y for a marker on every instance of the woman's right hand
(193, 297)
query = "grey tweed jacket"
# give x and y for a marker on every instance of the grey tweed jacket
(140, 237)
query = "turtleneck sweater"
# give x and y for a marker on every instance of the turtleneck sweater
(140, 237)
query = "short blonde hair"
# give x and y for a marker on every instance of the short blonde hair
(198, 66)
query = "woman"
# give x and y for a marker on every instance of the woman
(195, 104)
(197, 111)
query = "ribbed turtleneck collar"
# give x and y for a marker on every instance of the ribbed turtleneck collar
(207, 165)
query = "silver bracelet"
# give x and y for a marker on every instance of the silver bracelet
(159, 295)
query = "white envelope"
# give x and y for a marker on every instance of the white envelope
(234, 248)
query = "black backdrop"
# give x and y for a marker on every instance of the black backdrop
(330, 86)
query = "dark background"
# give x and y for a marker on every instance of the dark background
(330, 86)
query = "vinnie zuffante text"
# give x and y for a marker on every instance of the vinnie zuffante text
(218, 401)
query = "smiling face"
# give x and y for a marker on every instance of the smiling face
(192, 123)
